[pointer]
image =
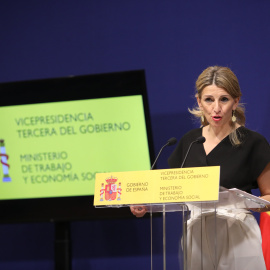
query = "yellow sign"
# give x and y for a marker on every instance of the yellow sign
(157, 186)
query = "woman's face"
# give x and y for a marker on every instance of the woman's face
(217, 105)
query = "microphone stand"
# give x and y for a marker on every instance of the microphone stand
(199, 140)
(171, 141)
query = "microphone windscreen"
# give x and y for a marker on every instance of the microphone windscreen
(172, 141)
(200, 139)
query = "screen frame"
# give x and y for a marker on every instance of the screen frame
(116, 84)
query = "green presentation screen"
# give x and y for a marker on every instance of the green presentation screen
(59, 133)
(55, 149)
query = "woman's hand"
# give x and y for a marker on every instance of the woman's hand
(264, 186)
(260, 210)
(138, 210)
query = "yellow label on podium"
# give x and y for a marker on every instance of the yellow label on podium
(157, 186)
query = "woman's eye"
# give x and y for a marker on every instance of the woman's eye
(208, 99)
(224, 99)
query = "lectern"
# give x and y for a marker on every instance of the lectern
(194, 195)
(232, 203)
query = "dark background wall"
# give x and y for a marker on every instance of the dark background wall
(173, 41)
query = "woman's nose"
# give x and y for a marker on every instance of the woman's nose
(217, 107)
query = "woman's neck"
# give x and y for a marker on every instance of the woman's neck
(218, 133)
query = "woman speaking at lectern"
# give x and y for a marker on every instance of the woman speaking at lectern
(244, 159)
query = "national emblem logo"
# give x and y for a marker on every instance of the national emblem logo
(111, 190)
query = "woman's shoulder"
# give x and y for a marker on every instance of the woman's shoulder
(182, 146)
(250, 135)
(193, 134)
(189, 137)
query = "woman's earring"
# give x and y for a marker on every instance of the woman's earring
(202, 118)
(233, 117)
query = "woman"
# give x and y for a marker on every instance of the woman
(244, 160)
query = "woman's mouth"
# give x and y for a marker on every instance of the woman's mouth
(216, 118)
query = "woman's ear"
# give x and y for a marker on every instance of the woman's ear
(199, 103)
(236, 102)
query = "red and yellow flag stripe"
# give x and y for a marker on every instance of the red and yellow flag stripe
(265, 230)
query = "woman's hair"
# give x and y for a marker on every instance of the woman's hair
(223, 78)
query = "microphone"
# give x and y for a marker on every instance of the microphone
(198, 140)
(171, 141)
